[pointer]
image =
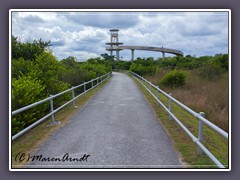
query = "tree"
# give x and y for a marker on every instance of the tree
(28, 50)
(107, 57)
(70, 61)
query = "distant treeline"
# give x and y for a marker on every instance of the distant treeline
(148, 65)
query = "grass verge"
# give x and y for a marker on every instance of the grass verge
(201, 94)
(215, 143)
(30, 142)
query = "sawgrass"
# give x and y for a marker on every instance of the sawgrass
(201, 94)
(32, 140)
(215, 143)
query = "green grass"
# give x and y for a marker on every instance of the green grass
(32, 140)
(215, 143)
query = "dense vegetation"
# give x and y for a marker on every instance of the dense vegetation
(199, 82)
(37, 73)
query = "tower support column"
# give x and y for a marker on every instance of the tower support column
(117, 54)
(132, 54)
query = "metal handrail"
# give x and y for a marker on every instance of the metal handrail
(199, 116)
(101, 78)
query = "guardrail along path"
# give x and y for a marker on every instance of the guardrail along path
(117, 128)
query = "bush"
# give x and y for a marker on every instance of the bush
(33, 81)
(26, 90)
(210, 71)
(21, 67)
(122, 65)
(142, 70)
(37, 73)
(168, 62)
(222, 61)
(174, 79)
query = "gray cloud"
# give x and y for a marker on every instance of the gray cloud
(84, 34)
(33, 19)
(57, 42)
(104, 21)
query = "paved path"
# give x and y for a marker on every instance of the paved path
(117, 128)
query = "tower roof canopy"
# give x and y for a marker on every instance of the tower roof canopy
(113, 30)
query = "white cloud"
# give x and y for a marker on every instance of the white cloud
(84, 34)
(46, 16)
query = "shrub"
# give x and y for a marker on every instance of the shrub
(210, 71)
(21, 67)
(174, 79)
(122, 65)
(94, 69)
(26, 90)
(168, 62)
(142, 70)
(37, 73)
(222, 61)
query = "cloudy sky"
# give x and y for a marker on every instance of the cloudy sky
(84, 34)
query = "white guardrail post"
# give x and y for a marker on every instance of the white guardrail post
(150, 86)
(157, 95)
(200, 133)
(170, 106)
(84, 88)
(73, 96)
(52, 108)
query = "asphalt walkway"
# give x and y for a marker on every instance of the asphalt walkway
(117, 128)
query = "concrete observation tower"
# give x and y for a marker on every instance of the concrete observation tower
(114, 44)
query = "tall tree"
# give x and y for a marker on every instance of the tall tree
(28, 50)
